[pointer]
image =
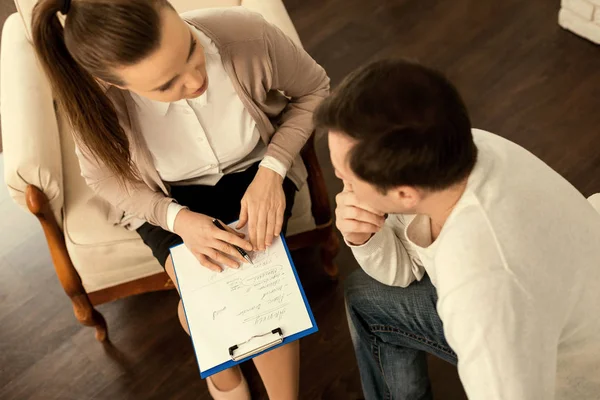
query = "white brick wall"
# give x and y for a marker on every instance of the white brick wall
(581, 17)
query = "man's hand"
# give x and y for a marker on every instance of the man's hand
(209, 244)
(262, 208)
(357, 222)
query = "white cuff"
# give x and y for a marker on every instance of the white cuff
(274, 164)
(172, 212)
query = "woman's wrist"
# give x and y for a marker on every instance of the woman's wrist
(172, 212)
(180, 221)
(268, 173)
(274, 164)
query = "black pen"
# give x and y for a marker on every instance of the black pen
(218, 224)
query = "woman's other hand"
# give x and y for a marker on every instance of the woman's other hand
(208, 243)
(262, 208)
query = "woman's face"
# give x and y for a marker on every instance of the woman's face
(175, 71)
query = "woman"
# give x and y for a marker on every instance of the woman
(181, 121)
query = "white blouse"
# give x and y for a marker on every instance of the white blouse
(198, 141)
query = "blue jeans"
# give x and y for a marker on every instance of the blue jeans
(392, 329)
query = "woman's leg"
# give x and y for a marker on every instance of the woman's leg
(279, 370)
(225, 380)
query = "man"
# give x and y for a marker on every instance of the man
(488, 258)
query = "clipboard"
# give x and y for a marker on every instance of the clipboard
(253, 345)
(277, 333)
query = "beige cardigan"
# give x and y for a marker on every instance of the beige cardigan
(263, 63)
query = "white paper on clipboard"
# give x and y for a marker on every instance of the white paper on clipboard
(231, 307)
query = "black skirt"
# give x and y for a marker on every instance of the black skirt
(222, 201)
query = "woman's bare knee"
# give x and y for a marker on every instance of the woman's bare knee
(182, 319)
(171, 271)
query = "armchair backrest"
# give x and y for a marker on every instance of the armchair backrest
(25, 7)
(272, 10)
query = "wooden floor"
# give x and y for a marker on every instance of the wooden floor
(522, 77)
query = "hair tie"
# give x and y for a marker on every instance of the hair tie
(65, 7)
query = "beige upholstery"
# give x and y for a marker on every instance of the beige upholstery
(39, 150)
(595, 201)
(31, 144)
(273, 11)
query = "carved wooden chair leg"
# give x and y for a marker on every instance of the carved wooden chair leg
(329, 250)
(37, 202)
(87, 315)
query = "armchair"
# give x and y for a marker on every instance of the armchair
(95, 261)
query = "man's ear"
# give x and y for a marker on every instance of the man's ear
(408, 196)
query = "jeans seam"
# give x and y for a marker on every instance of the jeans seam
(425, 341)
(377, 356)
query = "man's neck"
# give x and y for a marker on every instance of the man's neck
(439, 205)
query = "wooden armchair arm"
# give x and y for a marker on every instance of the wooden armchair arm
(323, 234)
(321, 208)
(37, 203)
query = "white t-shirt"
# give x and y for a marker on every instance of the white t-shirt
(517, 272)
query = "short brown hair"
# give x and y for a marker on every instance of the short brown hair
(410, 124)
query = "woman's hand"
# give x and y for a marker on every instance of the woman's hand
(208, 243)
(262, 209)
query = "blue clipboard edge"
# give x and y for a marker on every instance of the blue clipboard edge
(286, 340)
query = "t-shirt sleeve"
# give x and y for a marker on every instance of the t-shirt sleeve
(387, 256)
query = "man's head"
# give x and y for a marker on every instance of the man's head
(397, 132)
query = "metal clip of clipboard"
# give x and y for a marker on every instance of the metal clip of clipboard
(277, 340)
